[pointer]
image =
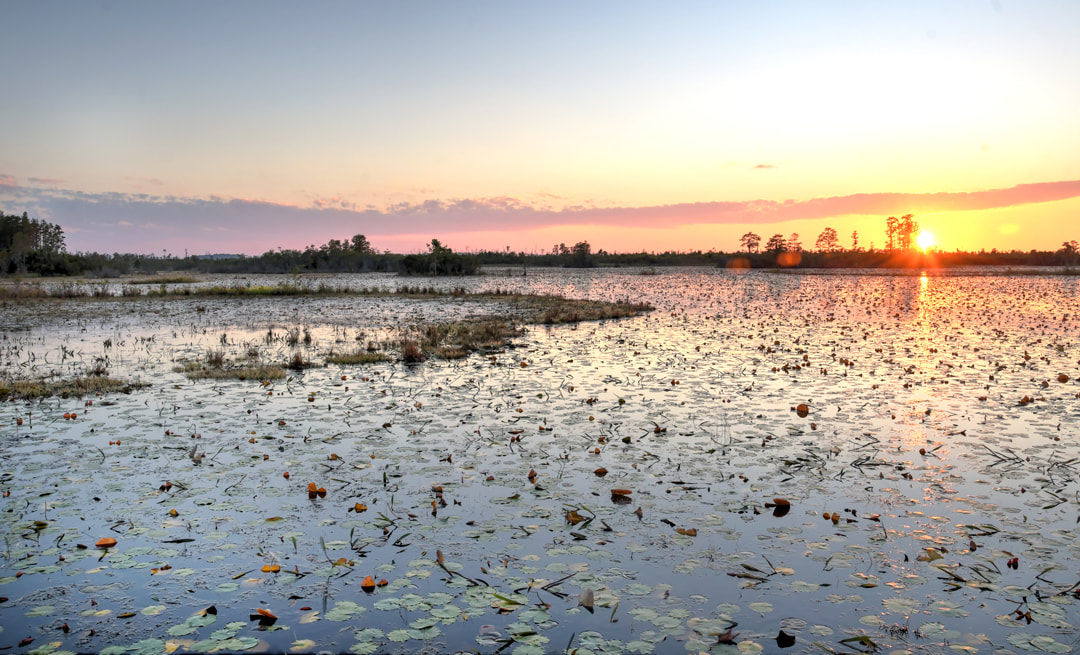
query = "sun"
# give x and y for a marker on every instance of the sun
(925, 241)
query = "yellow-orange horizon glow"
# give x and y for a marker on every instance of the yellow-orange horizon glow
(925, 240)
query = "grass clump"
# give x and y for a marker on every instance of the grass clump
(410, 352)
(214, 366)
(73, 388)
(298, 363)
(455, 340)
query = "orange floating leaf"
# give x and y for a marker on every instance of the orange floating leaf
(781, 501)
(271, 568)
(573, 518)
(802, 410)
(689, 532)
(621, 492)
(368, 584)
(359, 507)
(106, 542)
(601, 471)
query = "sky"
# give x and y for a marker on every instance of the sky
(242, 127)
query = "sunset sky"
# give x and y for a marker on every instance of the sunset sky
(247, 126)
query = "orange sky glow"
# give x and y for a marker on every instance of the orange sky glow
(636, 127)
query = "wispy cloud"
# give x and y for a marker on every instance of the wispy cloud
(142, 222)
(8, 181)
(765, 166)
(46, 181)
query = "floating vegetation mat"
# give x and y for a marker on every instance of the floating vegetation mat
(766, 463)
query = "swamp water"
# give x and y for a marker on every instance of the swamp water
(925, 499)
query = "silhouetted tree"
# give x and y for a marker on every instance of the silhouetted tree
(907, 230)
(793, 243)
(776, 244)
(581, 254)
(750, 241)
(855, 240)
(1071, 251)
(891, 225)
(360, 245)
(827, 241)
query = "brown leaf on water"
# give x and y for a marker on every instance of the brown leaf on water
(439, 557)
(689, 532)
(727, 637)
(621, 492)
(802, 410)
(106, 542)
(601, 472)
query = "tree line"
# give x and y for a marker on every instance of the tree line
(900, 236)
(29, 244)
(34, 246)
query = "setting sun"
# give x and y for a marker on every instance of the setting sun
(925, 241)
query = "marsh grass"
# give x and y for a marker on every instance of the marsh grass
(357, 356)
(298, 363)
(75, 387)
(411, 352)
(166, 279)
(214, 366)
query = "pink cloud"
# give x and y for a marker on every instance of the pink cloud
(218, 224)
(47, 181)
(8, 181)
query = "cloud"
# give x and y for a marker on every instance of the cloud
(47, 181)
(765, 166)
(107, 221)
(8, 181)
